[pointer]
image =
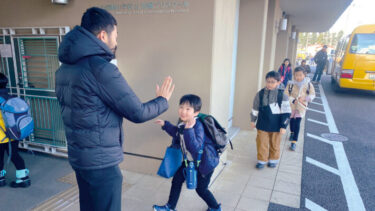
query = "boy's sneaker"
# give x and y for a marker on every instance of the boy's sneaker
(293, 146)
(272, 165)
(291, 136)
(212, 209)
(259, 165)
(22, 179)
(162, 208)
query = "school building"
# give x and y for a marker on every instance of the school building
(217, 49)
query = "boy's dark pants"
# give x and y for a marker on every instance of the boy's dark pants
(295, 124)
(100, 189)
(202, 188)
(16, 158)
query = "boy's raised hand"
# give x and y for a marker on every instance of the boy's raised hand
(166, 88)
(190, 123)
(160, 122)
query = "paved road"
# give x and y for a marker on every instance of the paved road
(354, 115)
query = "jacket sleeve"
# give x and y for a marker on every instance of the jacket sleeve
(255, 110)
(194, 139)
(170, 129)
(285, 112)
(117, 94)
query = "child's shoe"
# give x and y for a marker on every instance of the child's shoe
(293, 146)
(272, 165)
(163, 208)
(291, 136)
(259, 165)
(212, 209)
(2, 178)
(22, 179)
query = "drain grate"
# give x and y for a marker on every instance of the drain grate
(335, 137)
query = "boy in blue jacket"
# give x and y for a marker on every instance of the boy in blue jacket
(189, 136)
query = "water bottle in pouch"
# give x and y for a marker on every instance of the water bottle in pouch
(191, 176)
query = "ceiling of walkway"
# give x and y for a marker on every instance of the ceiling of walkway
(314, 15)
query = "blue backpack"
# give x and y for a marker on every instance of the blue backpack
(18, 122)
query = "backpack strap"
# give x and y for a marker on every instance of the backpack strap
(261, 95)
(2, 100)
(308, 89)
(280, 95)
(290, 88)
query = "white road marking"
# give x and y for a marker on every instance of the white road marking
(317, 103)
(322, 165)
(321, 112)
(318, 122)
(312, 206)
(352, 195)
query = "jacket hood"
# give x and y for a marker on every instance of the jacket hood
(80, 43)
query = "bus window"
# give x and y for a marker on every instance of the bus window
(363, 44)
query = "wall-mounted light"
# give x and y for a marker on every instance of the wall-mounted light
(60, 1)
(294, 35)
(284, 22)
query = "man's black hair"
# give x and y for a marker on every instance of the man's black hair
(299, 69)
(273, 74)
(193, 100)
(3, 81)
(96, 19)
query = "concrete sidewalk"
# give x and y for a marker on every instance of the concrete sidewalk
(239, 187)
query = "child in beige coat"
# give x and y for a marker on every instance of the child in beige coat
(300, 92)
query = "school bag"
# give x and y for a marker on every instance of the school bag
(290, 88)
(215, 132)
(18, 122)
(280, 95)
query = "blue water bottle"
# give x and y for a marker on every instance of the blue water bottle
(191, 176)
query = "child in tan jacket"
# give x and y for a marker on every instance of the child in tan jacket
(300, 92)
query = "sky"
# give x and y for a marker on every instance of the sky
(358, 13)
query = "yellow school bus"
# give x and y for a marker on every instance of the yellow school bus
(354, 64)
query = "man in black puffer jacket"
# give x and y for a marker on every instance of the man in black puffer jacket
(94, 98)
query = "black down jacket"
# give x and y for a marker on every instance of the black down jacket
(94, 99)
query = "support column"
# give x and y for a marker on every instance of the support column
(250, 59)
(282, 45)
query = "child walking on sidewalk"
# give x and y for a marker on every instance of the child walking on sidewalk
(190, 137)
(271, 112)
(300, 92)
(22, 173)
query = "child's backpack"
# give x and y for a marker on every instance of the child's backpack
(280, 96)
(215, 132)
(290, 89)
(18, 122)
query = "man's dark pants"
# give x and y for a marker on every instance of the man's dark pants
(318, 72)
(100, 189)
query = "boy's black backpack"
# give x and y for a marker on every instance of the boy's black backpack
(215, 132)
(280, 95)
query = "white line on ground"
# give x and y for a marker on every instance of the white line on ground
(322, 165)
(318, 122)
(351, 191)
(311, 109)
(316, 103)
(312, 206)
(318, 97)
(319, 138)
